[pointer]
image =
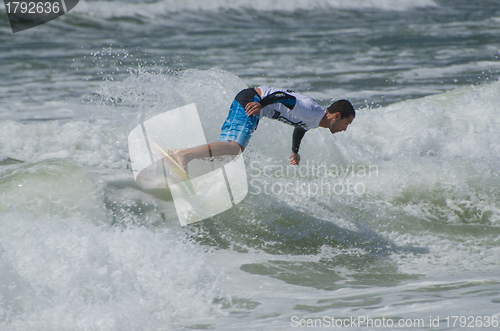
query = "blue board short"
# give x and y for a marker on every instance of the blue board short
(239, 126)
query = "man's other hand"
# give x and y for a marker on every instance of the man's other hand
(295, 158)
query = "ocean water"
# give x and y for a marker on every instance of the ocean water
(393, 224)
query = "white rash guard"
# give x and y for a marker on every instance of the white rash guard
(290, 107)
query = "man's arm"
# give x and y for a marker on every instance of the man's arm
(253, 108)
(298, 134)
(279, 97)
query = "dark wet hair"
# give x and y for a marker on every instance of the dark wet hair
(343, 107)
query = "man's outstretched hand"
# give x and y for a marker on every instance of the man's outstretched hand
(253, 108)
(295, 158)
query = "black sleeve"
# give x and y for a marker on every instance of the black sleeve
(279, 97)
(298, 134)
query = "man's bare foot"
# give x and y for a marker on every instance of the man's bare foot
(178, 156)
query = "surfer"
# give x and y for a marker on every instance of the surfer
(287, 106)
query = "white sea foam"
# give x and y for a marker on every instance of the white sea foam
(62, 274)
(443, 144)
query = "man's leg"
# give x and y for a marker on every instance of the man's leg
(235, 133)
(218, 148)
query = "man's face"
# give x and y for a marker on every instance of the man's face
(339, 124)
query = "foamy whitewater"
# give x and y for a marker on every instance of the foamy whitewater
(393, 224)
